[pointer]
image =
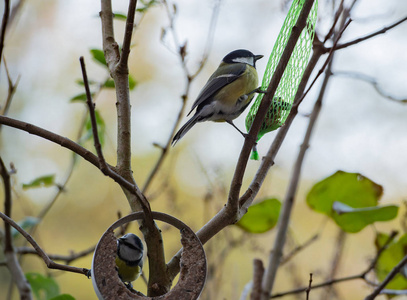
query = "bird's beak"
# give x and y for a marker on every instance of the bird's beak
(257, 57)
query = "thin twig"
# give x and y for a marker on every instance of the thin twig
(336, 19)
(309, 286)
(123, 62)
(301, 247)
(373, 82)
(8, 242)
(331, 51)
(389, 277)
(12, 88)
(338, 252)
(362, 275)
(50, 264)
(4, 24)
(369, 36)
(189, 78)
(258, 272)
(68, 259)
(91, 106)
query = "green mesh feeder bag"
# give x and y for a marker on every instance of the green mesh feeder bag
(284, 96)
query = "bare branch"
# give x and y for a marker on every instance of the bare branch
(338, 252)
(68, 259)
(123, 66)
(91, 106)
(331, 52)
(12, 87)
(258, 272)
(362, 275)
(189, 78)
(369, 36)
(110, 47)
(4, 24)
(309, 286)
(373, 82)
(8, 243)
(301, 247)
(336, 18)
(53, 137)
(50, 264)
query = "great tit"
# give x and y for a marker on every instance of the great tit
(227, 93)
(129, 258)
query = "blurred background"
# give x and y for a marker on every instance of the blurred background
(359, 130)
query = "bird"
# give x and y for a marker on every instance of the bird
(228, 92)
(129, 258)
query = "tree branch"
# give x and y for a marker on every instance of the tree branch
(289, 199)
(4, 24)
(343, 279)
(369, 36)
(233, 198)
(68, 259)
(124, 58)
(189, 78)
(11, 260)
(159, 283)
(50, 264)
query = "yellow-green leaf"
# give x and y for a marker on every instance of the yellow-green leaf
(261, 217)
(42, 181)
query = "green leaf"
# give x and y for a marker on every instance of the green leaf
(81, 83)
(42, 181)
(355, 219)
(132, 83)
(120, 16)
(26, 224)
(261, 217)
(80, 98)
(109, 84)
(389, 258)
(101, 126)
(146, 5)
(98, 56)
(63, 297)
(44, 288)
(350, 199)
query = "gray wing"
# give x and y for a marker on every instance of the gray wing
(217, 82)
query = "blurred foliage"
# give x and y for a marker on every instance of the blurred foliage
(45, 288)
(26, 224)
(42, 181)
(389, 258)
(350, 199)
(261, 217)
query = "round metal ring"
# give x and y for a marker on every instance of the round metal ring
(108, 285)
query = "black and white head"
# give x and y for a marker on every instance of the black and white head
(130, 248)
(242, 56)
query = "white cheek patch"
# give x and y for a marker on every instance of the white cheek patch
(245, 60)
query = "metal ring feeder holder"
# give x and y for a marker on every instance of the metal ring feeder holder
(108, 285)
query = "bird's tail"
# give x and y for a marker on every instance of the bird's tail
(184, 129)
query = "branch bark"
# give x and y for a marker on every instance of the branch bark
(159, 283)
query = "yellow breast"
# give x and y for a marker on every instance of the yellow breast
(241, 86)
(127, 273)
